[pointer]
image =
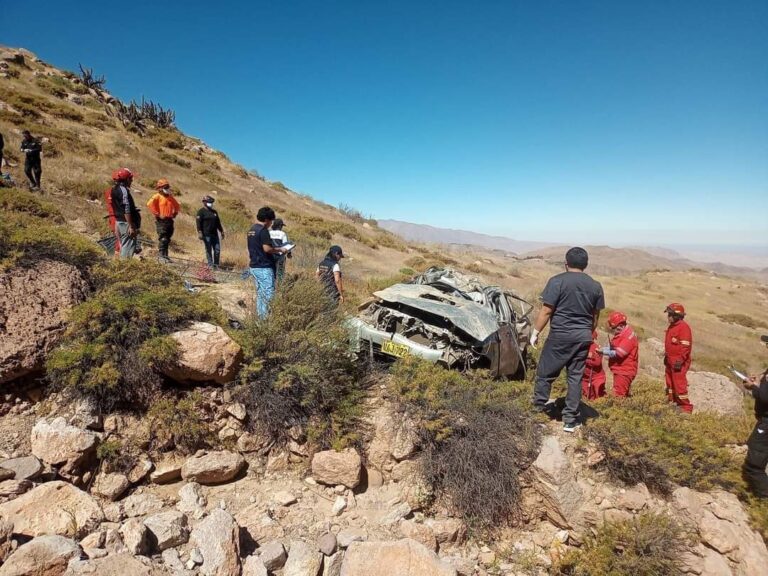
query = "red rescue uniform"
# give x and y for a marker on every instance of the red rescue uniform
(678, 344)
(593, 381)
(111, 218)
(624, 364)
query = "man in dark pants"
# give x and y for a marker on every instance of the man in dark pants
(757, 445)
(208, 229)
(2, 147)
(571, 304)
(33, 166)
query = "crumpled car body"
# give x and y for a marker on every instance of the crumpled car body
(448, 318)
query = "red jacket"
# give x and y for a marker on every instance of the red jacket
(593, 371)
(626, 360)
(678, 344)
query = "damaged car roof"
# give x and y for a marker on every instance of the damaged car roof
(472, 318)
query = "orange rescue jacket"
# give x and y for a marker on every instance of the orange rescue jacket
(163, 206)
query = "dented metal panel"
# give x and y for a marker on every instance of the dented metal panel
(473, 319)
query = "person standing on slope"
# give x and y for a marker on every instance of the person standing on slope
(127, 216)
(678, 344)
(33, 166)
(593, 382)
(571, 305)
(622, 353)
(329, 273)
(757, 446)
(165, 208)
(208, 229)
(2, 147)
(279, 238)
(262, 259)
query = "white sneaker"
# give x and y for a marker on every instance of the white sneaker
(571, 427)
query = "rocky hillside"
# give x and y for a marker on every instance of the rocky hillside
(143, 432)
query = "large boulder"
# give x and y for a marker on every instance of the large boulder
(333, 468)
(213, 467)
(556, 483)
(710, 392)
(34, 303)
(206, 354)
(53, 508)
(218, 539)
(404, 558)
(56, 442)
(42, 556)
(122, 564)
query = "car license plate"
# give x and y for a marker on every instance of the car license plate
(394, 349)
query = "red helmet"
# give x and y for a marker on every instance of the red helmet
(676, 309)
(122, 174)
(617, 318)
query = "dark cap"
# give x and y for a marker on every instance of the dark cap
(26, 132)
(336, 250)
(764, 338)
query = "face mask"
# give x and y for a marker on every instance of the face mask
(209, 204)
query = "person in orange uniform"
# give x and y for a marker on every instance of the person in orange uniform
(593, 381)
(678, 344)
(622, 353)
(165, 208)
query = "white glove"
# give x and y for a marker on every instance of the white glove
(534, 338)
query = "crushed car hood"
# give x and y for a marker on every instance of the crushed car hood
(471, 318)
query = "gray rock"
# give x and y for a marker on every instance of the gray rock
(404, 558)
(218, 538)
(26, 467)
(10, 489)
(141, 505)
(253, 566)
(56, 442)
(44, 556)
(213, 468)
(167, 529)
(347, 536)
(332, 564)
(166, 471)
(303, 560)
(136, 537)
(191, 499)
(172, 561)
(556, 483)
(284, 498)
(110, 486)
(273, 555)
(327, 543)
(332, 468)
(140, 470)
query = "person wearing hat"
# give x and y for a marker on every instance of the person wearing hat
(279, 238)
(678, 344)
(757, 445)
(329, 272)
(622, 353)
(165, 208)
(208, 229)
(33, 167)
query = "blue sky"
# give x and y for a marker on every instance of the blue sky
(572, 121)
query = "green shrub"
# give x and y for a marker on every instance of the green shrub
(173, 159)
(88, 188)
(115, 456)
(647, 545)
(30, 231)
(179, 423)
(407, 271)
(476, 439)
(645, 440)
(114, 339)
(300, 371)
(416, 262)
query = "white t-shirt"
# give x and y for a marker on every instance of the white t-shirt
(280, 236)
(336, 268)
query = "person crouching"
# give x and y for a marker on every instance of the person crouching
(593, 382)
(622, 354)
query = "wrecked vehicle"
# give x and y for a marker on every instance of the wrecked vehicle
(448, 318)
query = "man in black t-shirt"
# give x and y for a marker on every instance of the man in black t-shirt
(33, 167)
(571, 304)
(262, 261)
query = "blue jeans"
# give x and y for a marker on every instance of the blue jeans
(212, 249)
(264, 278)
